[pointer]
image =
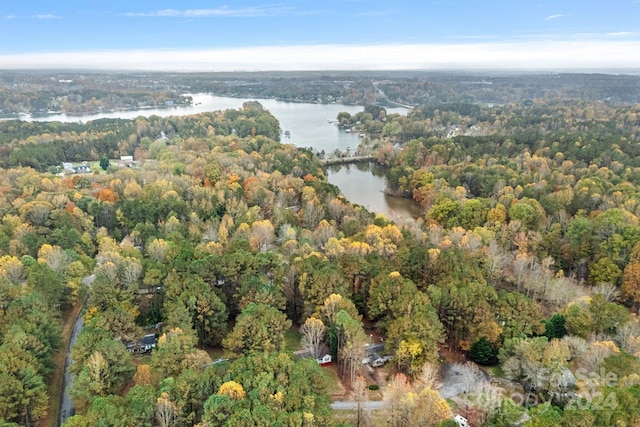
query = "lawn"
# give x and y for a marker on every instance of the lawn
(334, 386)
(292, 339)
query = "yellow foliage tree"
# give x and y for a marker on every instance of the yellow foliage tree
(233, 390)
(11, 268)
(630, 289)
(143, 375)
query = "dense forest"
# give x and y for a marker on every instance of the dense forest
(224, 242)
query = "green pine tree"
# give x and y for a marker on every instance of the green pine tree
(483, 353)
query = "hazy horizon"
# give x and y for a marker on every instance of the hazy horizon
(334, 35)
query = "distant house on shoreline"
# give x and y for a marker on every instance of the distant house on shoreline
(69, 168)
(126, 161)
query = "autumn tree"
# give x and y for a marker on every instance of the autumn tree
(538, 364)
(190, 294)
(351, 341)
(23, 390)
(262, 235)
(258, 328)
(104, 372)
(630, 289)
(175, 352)
(408, 406)
(269, 389)
(233, 390)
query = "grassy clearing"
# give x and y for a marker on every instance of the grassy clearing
(334, 386)
(292, 339)
(374, 395)
(215, 353)
(368, 418)
(496, 371)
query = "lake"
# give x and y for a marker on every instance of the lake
(308, 126)
(364, 184)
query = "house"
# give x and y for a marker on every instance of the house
(126, 161)
(148, 342)
(324, 360)
(82, 169)
(145, 345)
(380, 360)
(69, 168)
(462, 421)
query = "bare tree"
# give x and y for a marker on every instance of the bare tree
(577, 345)
(608, 290)
(360, 395)
(561, 291)
(497, 260)
(546, 273)
(262, 235)
(131, 272)
(210, 233)
(166, 411)
(323, 232)
(57, 259)
(435, 234)
(313, 331)
(522, 267)
(471, 377)
(110, 271)
(12, 268)
(398, 412)
(629, 336)
(430, 378)
(158, 250)
(595, 355)
(489, 398)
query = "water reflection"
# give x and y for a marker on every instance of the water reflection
(364, 184)
(309, 126)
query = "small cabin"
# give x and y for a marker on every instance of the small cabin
(148, 342)
(82, 169)
(462, 421)
(125, 161)
(380, 360)
(145, 345)
(324, 360)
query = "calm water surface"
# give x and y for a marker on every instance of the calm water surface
(308, 126)
(364, 184)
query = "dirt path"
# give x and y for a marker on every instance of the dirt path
(55, 387)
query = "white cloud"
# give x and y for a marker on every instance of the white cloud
(47, 16)
(552, 17)
(375, 13)
(540, 55)
(223, 11)
(621, 34)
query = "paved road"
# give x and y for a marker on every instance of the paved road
(66, 404)
(367, 405)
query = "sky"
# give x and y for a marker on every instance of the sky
(250, 35)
